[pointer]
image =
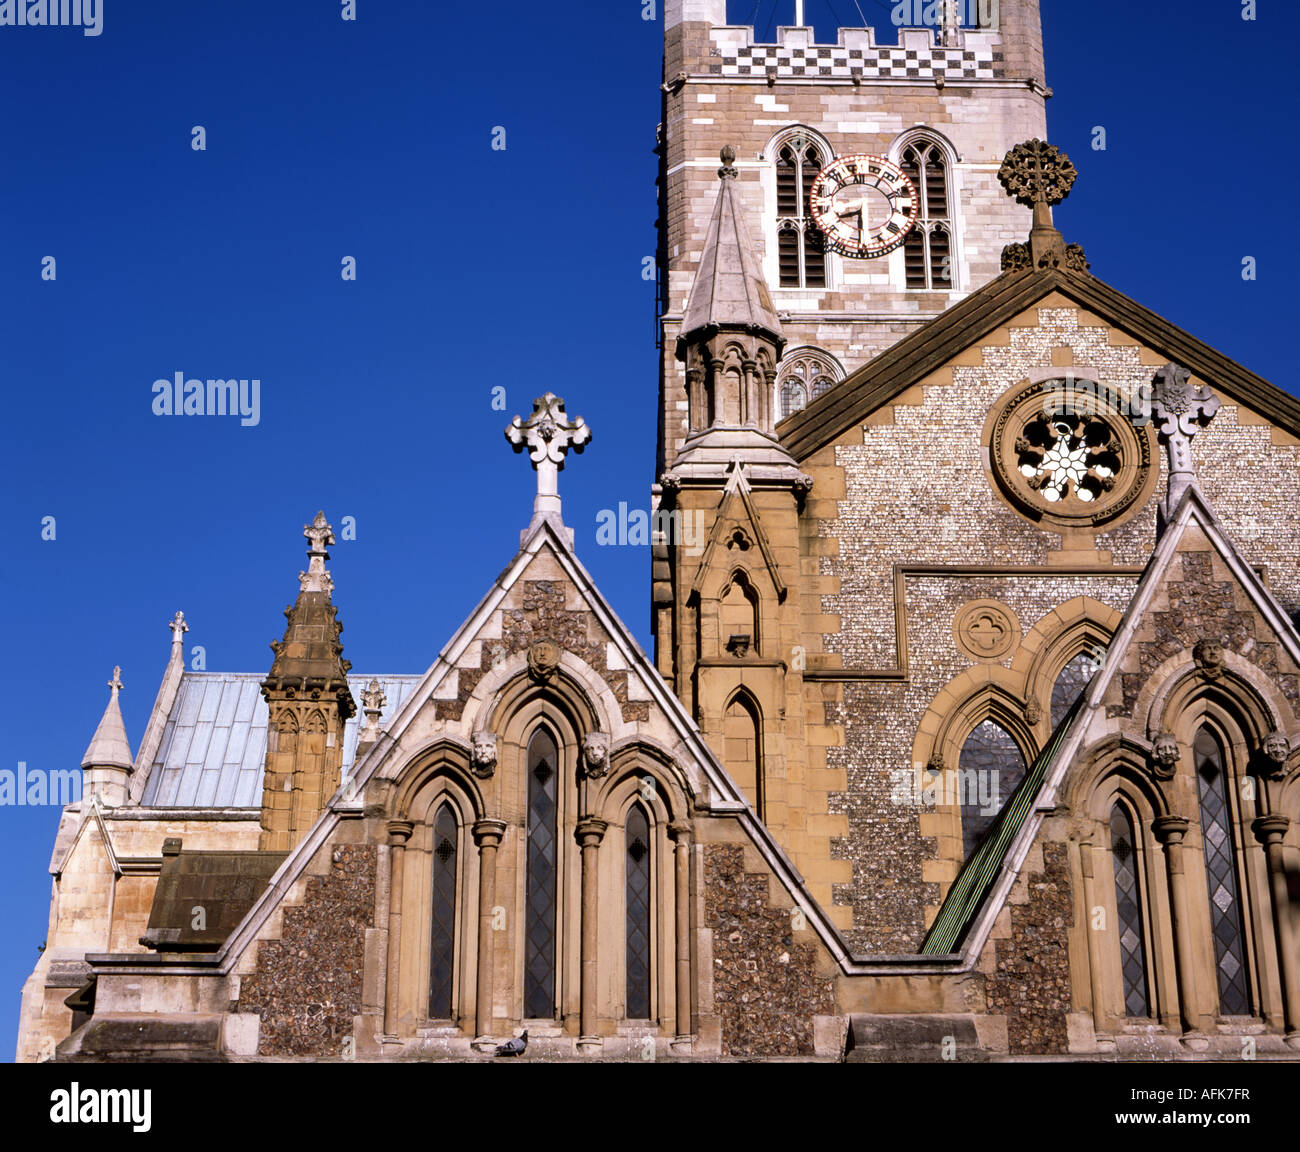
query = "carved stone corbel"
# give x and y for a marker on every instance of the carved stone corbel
(595, 755)
(1165, 755)
(1209, 658)
(543, 660)
(1273, 754)
(483, 755)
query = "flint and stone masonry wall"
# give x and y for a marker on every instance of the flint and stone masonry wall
(307, 985)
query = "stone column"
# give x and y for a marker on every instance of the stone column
(1270, 831)
(1170, 830)
(399, 832)
(487, 835)
(1096, 960)
(590, 832)
(680, 832)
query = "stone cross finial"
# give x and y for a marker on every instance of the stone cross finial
(548, 435)
(116, 683)
(1179, 411)
(320, 535)
(179, 628)
(1039, 175)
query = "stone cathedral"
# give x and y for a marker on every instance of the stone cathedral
(972, 725)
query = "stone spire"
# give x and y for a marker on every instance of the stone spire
(308, 702)
(310, 657)
(1040, 176)
(731, 338)
(107, 765)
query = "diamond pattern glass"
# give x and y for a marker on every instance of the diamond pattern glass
(990, 770)
(1221, 876)
(442, 953)
(539, 911)
(1128, 907)
(638, 914)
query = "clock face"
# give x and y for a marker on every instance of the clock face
(865, 205)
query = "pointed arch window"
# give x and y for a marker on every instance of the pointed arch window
(927, 250)
(801, 254)
(1070, 683)
(990, 769)
(805, 374)
(1128, 909)
(1227, 926)
(442, 949)
(542, 877)
(637, 888)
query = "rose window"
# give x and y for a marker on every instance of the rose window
(1064, 453)
(1065, 458)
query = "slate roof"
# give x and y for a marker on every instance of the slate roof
(213, 747)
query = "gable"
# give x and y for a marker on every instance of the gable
(948, 337)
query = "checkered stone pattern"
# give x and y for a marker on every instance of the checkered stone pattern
(842, 63)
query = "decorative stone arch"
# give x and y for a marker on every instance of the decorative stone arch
(743, 745)
(583, 695)
(1077, 627)
(984, 692)
(435, 783)
(443, 758)
(625, 787)
(740, 610)
(1237, 715)
(1118, 777)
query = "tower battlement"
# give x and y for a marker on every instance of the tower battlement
(927, 39)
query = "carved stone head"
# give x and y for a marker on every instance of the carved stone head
(1165, 755)
(1276, 750)
(484, 753)
(1208, 655)
(543, 660)
(595, 754)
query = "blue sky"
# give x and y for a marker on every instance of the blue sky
(476, 268)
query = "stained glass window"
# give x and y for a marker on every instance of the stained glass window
(638, 913)
(990, 770)
(1221, 876)
(543, 859)
(1128, 907)
(442, 955)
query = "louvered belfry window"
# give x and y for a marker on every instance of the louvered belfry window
(543, 859)
(442, 954)
(1128, 908)
(638, 913)
(1226, 923)
(801, 253)
(927, 251)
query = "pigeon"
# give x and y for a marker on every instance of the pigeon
(515, 1047)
